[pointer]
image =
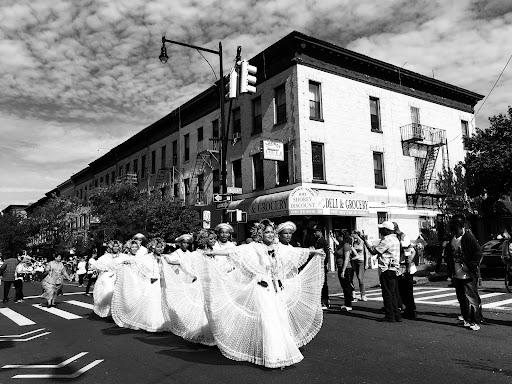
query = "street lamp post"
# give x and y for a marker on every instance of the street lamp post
(224, 134)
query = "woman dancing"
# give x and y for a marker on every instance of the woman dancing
(266, 320)
(107, 266)
(53, 282)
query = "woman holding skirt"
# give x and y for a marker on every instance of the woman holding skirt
(53, 282)
(107, 266)
(266, 320)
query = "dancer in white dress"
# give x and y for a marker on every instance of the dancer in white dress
(107, 266)
(140, 238)
(224, 232)
(267, 320)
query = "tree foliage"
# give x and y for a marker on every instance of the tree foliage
(488, 163)
(123, 211)
(14, 233)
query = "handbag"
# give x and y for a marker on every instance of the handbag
(461, 271)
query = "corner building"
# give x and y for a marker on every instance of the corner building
(363, 142)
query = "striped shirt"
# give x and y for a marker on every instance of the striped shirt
(389, 253)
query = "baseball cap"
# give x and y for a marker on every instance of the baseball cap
(388, 225)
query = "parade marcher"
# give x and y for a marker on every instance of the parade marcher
(81, 271)
(285, 232)
(323, 244)
(465, 254)
(107, 267)
(266, 320)
(19, 276)
(140, 297)
(92, 273)
(142, 241)
(359, 262)
(388, 251)
(132, 247)
(344, 253)
(405, 279)
(7, 271)
(224, 233)
(53, 282)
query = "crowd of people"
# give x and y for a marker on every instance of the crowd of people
(259, 301)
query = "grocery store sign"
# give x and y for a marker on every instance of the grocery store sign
(306, 201)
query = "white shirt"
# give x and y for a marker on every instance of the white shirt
(141, 251)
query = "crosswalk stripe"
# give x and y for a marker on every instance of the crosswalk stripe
(438, 296)
(80, 304)
(16, 317)
(64, 294)
(448, 302)
(497, 303)
(427, 292)
(58, 312)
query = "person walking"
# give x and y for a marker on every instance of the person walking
(388, 252)
(92, 273)
(81, 271)
(19, 277)
(343, 253)
(405, 279)
(7, 271)
(358, 262)
(323, 244)
(53, 282)
(465, 254)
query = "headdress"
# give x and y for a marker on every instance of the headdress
(258, 229)
(129, 243)
(203, 237)
(114, 243)
(156, 241)
(225, 226)
(286, 225)
(138, 236)
(184, 238)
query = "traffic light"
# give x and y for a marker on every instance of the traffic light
(232, 84)
(247, 77)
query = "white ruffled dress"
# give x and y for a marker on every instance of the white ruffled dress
(264, 325)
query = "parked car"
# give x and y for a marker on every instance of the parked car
(491, 255)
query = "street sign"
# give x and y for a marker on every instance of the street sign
(223, 205)
(235, 190)
(219, 197)
(207, 216)
(272, 150)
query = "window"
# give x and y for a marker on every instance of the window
(215, 128)
(216, 181)
(375, 114)
(127, 168)
(81, 193)
(378, 169)
(163, 159)
(465, 132)
(153, 162)
(382, 217)
(256, 116)
(107, 179)
(113, 177)
(200, 182)
(143, 167)
(136, 166)
(237, 173)
(176, 191)
(96, 183)
(280, 105)
(101, 180)
(186, 146)
(200, 134)
(283, 174)
(187, 186)
(175, 153)
(415, 116)
(317, 158)
(257, 167)
(237, 123)
(315, 101)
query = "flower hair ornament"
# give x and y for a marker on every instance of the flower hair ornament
(114, 243)
(258, 229)
(203, 236)
(156, 241)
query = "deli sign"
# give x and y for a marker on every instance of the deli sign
(306, 201)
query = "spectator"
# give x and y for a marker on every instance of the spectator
(405, 278)
(343, 254)
(359, 262)
(322, 243)
(81, 271)
(7, 271)
(92, 273)
(19, 275)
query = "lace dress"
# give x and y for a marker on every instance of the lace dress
(107, 265)
(266, 320)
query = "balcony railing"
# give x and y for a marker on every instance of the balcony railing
(212, 145)
(422, 134)
(411, 187)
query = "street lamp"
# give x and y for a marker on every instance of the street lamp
(224, 135)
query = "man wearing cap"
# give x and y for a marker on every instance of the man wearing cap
(322, 243)
(388, 251)
(142, 240)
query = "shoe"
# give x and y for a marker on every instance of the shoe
(465, 324)
(354, 300)
(19, 301)
(474, 327)
(364, 298)
(325, 307)
(344, 307)
(460, 318)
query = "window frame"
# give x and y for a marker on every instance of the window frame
(383, 170)
(237, 123)
(143, 167)
(163, 156)
(276, 106)
(320, 116)
(256, 127)
(379, 122)
(153, 162)
(464, 126)
(186, 147)
(240, 177)
(255, 179)
(200, 134)
(322, 146)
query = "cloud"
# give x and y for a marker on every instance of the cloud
(80, 76)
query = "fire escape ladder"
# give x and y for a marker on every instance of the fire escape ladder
(427, 171)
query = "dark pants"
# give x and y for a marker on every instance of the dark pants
(91, 280)
(347, 286)
(389, 295)
(18, 286)
(405, 289)
(358, 266)
(325, 290)
(7, 288)
(81, 279)
(469, 299)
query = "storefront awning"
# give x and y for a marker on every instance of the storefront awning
(303, 201)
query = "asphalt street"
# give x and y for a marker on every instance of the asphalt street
(350, 348)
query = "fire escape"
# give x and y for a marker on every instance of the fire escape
(424, 143)
(207, 159)
(166, 178)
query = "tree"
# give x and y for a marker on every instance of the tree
(14, 233)
(488, 162)
(123, 211)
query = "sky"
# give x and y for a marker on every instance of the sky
(79, 77)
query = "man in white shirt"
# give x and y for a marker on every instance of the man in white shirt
(142, 240)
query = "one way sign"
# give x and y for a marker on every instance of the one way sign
(219, 197)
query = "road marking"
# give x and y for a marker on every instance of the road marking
(80, 304)
(448, 302)
(497, 304)
(16, 317)
(438, 296)
(431, 291)
(63, 376)
(27, 339)
(64, 294)
(46, 366)
(23, 334)
(58, 312)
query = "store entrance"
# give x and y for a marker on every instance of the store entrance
(340, 223)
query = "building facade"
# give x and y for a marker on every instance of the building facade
(362, 140)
